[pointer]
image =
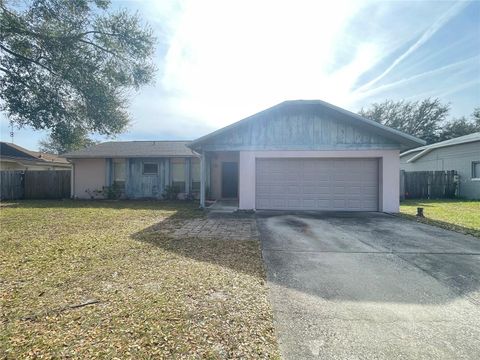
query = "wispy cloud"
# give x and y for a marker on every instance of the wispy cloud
(220, 61)
(438, 24)
(457, 67)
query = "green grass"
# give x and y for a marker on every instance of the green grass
(458, 215)
(158, 296)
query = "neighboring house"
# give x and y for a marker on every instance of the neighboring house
(141, 169)
(461, 154)
(297, 155)
(14, 157)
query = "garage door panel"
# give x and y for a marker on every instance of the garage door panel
(370, 191)
(317, 184)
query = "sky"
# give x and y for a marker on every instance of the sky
(221, 61)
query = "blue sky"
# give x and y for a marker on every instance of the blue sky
(220, 61)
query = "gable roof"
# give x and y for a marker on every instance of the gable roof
(127, 149)
(406, 140)
(16, 152)
(424, 150)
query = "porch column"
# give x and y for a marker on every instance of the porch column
(203, 173)
(188, 178)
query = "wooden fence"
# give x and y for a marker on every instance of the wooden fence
(12, 185)
(428, 184)
(54, 184)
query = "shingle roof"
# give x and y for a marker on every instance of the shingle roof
(13, 151)
(406, 140)
(122, 149)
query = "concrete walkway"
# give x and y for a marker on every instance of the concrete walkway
(371, 286)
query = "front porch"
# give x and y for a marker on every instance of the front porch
(223, 206)
(219, 179)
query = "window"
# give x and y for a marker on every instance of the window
(150, 168)
(178, 173)
(195, 174)
(476, 170)
(118, 175)
(118, 169)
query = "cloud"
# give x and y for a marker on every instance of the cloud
(438, 24)
(220, 61)
(228, 60)
(457, 67)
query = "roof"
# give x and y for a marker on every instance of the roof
(407, 140)
(123, 149)
(424, 150)
(15, 152)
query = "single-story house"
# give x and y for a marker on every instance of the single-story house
(461, 154)
(297, 155)
(142, 169)
(14, 157)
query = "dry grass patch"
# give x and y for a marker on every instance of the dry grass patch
(157, 296)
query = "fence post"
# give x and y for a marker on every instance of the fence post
(429, 184)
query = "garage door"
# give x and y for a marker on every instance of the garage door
(317, 184)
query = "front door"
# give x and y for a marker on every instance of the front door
(229, 180)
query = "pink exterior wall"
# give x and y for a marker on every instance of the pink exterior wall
(88, 174)
(389, 169)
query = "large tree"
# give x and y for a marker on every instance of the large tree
(418, 118)
(61, 142)
(67, 65)
(460, 127)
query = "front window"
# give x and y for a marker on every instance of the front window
(119, 172)
(150, 168)
(195, 174)
(476, 170)
(178, 174)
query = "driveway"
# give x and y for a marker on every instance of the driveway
(371, 286)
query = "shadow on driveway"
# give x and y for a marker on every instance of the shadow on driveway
(370, 285)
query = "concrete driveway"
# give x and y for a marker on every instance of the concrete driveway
(371, 286)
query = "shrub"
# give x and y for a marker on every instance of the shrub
(170, 192)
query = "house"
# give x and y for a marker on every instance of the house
(461, 154)
(141, 169)
(14, 157)
(297, 155)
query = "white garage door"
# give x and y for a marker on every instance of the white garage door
(317, 184)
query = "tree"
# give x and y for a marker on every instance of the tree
(67, 66)
(59, 142)
(418, 118)
(476, 116)
(460, 127)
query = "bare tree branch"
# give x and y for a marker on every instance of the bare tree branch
(26, 58)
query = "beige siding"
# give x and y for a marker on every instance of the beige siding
(458, 157)
(7, 165)
(13, 165)
(89, 174)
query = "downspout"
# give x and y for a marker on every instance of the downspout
(203, 173)
(72, 181)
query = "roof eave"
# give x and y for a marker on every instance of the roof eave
(71, 157)
(437, 146)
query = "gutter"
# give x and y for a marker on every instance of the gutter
(419, 155)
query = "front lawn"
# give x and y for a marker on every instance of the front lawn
(458, 215)
(97, 279)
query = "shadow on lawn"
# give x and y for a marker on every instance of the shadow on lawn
(104, 204)
(239, 255)
(349, 257)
